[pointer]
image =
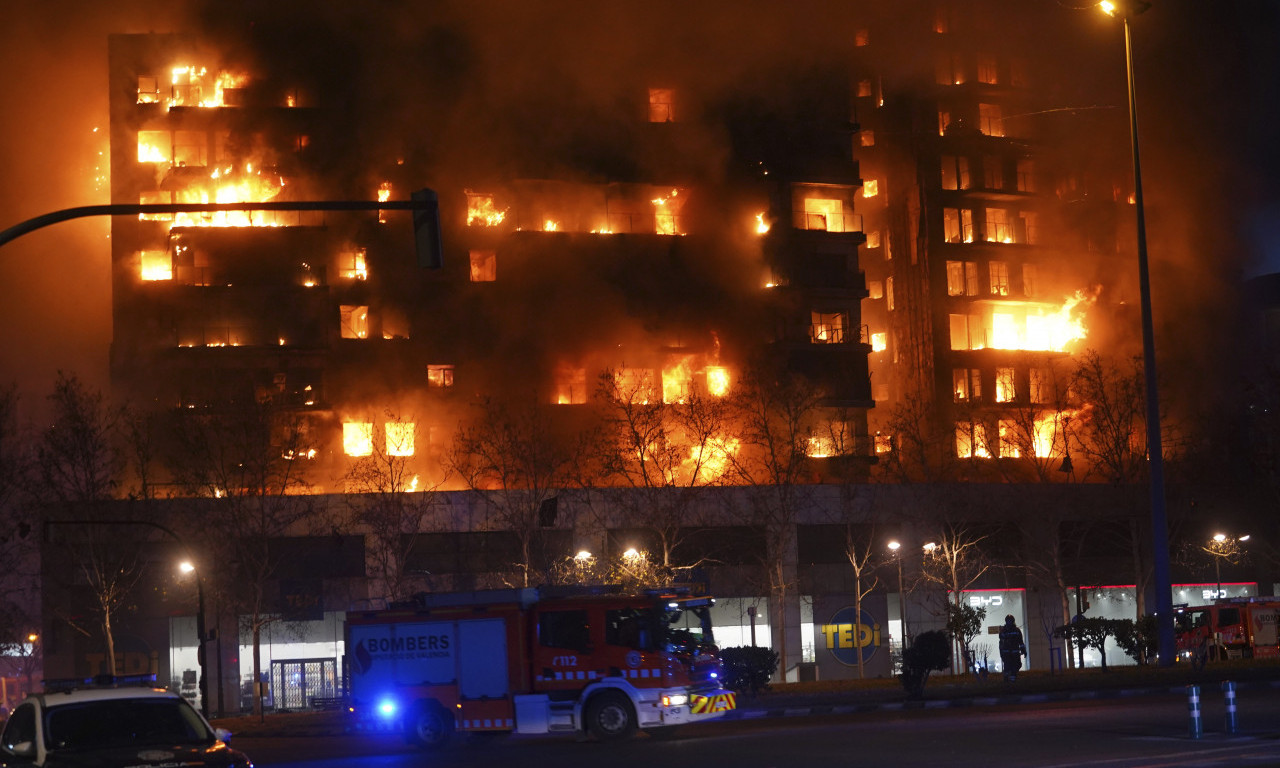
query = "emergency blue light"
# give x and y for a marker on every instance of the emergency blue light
(387, 708)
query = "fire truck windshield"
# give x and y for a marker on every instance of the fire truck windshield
(688, 629)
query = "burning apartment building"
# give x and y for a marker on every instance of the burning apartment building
(878, 227)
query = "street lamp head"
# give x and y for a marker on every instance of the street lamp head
(631, 554)
(1219, 537)
(1243, 538)
(1123, 8)
(894, 545)
(582, 556)
(930, 547)
(31, 638)
(186, 566)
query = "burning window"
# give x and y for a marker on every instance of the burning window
(828, 327)
(762, 226)
(950, 68)
(195, 87)
(991, 119)
(1006, 389)
(955, 172)
(352, 264)
(484, 266)
(875, 289)
(962, 278)
(481, 211)
(873, 239)
(676, 381)
(944, 120)
(661, 105)
(864, 88)
(966, 385)
(634, 385)
(357, 438)
(870, 188)
(992, 172)
(717, 380)
(155, 265)
(879, 341)
(861, 37)
(440, 375)
(1026, 175)
(884, 443)
(971, 441)
(941, 20)
(148, 89)
(571, 385)
(967, 332)
(1041, 389)
(888, 292)
(395, 323)
(998, 272)
(998, 226)
(399, 438)
(155, 147)
(666, 213)
(957, 225)
(1009, 440)
(987, 72)
(355, 321)
(823, 207)
(384, 194)
(190, 148)
(867, 137)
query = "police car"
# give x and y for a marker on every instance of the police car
(103, 724)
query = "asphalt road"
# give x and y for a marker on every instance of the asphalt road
(1105, 733)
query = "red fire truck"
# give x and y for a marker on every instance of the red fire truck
(536, 660)
(1230, 628)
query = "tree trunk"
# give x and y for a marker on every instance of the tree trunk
(257, 669)
(109, 636)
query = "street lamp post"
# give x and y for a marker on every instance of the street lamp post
(895, 547)
(1161, 578)
(1222, 546)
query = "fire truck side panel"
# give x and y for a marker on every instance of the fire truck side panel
(1266, 642)
(482, 659)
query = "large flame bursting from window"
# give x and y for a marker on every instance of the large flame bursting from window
(1045, 328)
(481, 211)
(190, 87)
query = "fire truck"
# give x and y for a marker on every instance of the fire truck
(1230, 628)
(535, 660)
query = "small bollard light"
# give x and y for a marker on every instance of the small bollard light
(1193, 707)
(1229, 694)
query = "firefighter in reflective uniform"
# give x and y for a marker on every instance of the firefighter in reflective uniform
(1012, 649)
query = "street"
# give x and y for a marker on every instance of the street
(1112, 733)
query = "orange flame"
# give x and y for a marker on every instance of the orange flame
(481, 211)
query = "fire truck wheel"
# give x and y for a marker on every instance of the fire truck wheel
(429, 725)
(610, 717)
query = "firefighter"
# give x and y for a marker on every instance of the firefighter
(1012, 649)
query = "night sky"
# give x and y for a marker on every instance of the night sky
(1208, 89)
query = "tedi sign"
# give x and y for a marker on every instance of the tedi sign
(847, 634)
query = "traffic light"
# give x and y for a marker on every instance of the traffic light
(426, 229)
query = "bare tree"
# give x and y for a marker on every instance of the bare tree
(517, 462)
(955, 560)
(776, 412)
(664, 453)
(394, 505)
(865, 558)
(252, 460)
(78, 461)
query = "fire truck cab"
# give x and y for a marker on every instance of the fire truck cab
(1230, 628)
(536, 660)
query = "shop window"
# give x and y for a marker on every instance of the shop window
(955, 172)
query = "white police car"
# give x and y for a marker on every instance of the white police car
(113, 727)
